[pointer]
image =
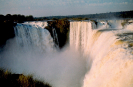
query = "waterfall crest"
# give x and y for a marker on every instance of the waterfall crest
(32, 37)
(41, 24)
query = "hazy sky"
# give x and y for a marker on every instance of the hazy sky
(39, 8)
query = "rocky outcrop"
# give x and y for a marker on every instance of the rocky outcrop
(62, 30)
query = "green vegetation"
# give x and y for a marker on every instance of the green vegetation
(124, 23)
(40, 18)
(79, 19)
(62, 28)
(21, 18)
(122, 14)
(15, 18)
(54, 19)
(7, 79)
(130, 44)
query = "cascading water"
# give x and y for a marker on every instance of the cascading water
(31, 37)
(116, 23)
(108, 53)
(41, 24)
(103, 25)
(32, 51)
(55, 38)
(129, 26)
(79, 34)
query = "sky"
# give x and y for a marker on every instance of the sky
(42, 8)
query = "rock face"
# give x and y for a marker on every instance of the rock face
(62, 30)
(6, 31)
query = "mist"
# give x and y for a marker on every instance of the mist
(60, 69)
(93, 58)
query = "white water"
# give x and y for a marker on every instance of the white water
(55, 38)
(32, 51)
(114, 23)
(32, 37)
(95, 58)
(129, 26)
(108, 53)
(41, 24)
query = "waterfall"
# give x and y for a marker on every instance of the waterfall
(55, 38)
(43, 24)
(129, 26)
(32, 37)
(100, 57)
(108, 53)
(33, 51)
(79, 34)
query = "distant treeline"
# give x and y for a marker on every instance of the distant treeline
(21, 18)
(122, 14)
(125, 14)
(15, 18)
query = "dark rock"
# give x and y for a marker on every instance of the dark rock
(62, 30)
(6, 31)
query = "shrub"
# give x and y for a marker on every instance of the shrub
(123, 23)
(7, 79)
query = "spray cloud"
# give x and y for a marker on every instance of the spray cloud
(28, 54)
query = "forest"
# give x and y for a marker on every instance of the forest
(15, 18)
(22, 18)
(122, 14)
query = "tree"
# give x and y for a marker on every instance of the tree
(29, 18)
(9, 17)
(54, 19)
(1, 18)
